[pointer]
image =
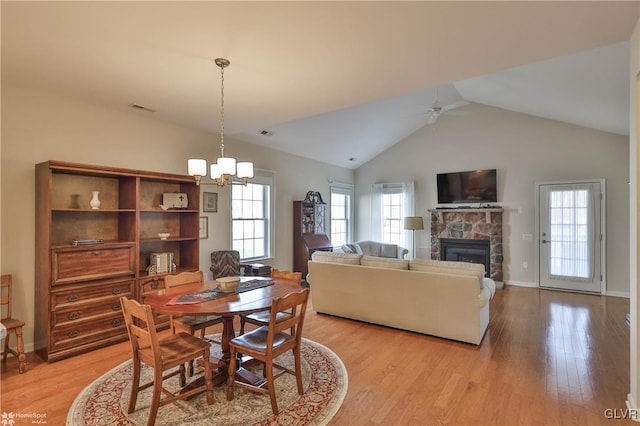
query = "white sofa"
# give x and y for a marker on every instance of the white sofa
(439, 298)
(374, 248)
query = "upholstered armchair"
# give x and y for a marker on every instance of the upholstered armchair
(225, 263)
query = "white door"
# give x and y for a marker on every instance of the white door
(570, 238)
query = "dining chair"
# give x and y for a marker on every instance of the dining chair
(186, 282)
(266, 343)
(262, 318)
(12, 325)
(163, 355)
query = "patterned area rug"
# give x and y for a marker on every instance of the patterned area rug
(105, 401)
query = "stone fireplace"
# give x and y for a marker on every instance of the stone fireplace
(469, 235)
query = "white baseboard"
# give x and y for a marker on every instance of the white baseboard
(632, 410)
(624, 294)
(521, 284)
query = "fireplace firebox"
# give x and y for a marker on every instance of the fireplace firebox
(463, 250)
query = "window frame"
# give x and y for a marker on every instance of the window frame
(346, 190)
(267, 179)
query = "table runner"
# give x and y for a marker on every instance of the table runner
(205, 295)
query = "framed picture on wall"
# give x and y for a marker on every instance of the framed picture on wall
(210, 202)
(204, 227)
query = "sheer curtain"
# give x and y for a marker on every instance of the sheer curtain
(408, 197)
(376, 211)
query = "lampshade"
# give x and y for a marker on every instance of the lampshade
(197, 167)
(227, 165)
(413, 223)
(245, 169)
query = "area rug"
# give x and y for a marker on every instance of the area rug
(105, 401)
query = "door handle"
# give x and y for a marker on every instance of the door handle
(544, 241)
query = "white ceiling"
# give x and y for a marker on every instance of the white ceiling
(331, 80)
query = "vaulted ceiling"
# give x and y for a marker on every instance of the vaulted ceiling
(330, 80)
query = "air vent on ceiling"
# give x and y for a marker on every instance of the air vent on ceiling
(143, 108)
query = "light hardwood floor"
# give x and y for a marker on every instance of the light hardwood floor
(548, 358)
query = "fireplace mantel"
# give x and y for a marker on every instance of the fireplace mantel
(486, 210)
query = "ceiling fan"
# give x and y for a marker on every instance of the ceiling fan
(436, 110)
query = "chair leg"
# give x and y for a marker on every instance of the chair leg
(155, 399)
(208, 379)
(298, 367)
(6, 347)
(135, 384)
(20, 349)
(272, 388)
(232, 375)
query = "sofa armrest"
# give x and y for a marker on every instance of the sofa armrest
(402, 252)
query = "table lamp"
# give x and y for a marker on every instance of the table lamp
(413, 223)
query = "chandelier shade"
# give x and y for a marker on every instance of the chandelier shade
(225, 167)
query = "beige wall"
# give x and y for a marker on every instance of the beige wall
(38, 126)
(524, 150)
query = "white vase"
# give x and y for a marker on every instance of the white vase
(95, 201)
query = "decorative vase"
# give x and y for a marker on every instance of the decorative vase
(95, 201)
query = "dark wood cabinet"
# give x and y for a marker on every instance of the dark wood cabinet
(309, 233)
(78, 286)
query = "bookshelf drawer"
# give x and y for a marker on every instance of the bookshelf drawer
(84, 264)
(94, 293)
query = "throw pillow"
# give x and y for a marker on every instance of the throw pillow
(389, 250)
(384, 262)
(346, 248)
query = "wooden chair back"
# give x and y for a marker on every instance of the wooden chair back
(6, 297)
(142, 333)
(286, 275)
(296, 304)
(184, 282)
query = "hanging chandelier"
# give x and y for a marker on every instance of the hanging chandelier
(225, 167)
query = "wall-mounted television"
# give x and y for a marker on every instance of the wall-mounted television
(476, 186)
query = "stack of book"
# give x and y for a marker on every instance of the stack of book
(261, 270)
(163, 262)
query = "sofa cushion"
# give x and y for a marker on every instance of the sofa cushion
(447, 267)
(331, 257)
(389, 250)
(384, 262)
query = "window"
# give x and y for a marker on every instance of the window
(392, 216)
(251, 217)
(390, 204)
(341, 213)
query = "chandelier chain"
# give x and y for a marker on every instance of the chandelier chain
(222, 110)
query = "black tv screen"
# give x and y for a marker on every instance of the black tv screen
(477, 186)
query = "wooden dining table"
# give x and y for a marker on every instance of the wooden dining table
(227, 307)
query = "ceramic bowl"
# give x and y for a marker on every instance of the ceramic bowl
(163, 235)
(228, 284)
